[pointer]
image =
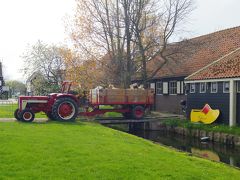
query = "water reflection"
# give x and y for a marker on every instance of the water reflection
(209, 150)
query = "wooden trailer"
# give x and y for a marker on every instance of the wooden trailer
(132, 103)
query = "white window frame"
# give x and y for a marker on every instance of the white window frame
(200, 89)
(171, 88)
(159, 82)
(212, 87)
(190, 88)
(224, 91)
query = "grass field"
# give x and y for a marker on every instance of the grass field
(90, 151)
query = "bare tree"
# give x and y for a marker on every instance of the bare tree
(48, 61)
(108, 28)
(155, 23)
(45, 59)
(131, 32)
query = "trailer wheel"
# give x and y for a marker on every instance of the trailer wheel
(17, 114)
(65, 109)
(27, 115)
(138, 112)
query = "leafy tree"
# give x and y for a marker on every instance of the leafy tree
(41, 86)
(16, 87)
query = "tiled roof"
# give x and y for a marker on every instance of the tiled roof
(196, 53)
(225, 67)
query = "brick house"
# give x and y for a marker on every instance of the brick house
(217, 84)
(188, 57)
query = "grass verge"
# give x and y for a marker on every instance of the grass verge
(207, 127)
(90, 151)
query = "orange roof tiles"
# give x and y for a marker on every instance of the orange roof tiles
(225, 67)
(194, 54)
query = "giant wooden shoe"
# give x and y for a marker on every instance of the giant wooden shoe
(206, 115)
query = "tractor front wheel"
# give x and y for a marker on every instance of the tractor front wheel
(65, 109)
(17, 115)
(27, 115)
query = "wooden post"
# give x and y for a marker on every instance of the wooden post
(232, 103)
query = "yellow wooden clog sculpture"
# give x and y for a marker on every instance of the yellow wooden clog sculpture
(206, 115)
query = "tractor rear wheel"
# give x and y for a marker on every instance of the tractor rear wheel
(65, 109)
(17, 114)
(138, 112)
(27, 115)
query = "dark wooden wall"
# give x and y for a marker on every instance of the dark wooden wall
(217, 100)
(169, 103)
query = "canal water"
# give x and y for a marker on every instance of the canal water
(213, 151)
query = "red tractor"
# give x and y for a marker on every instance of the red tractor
(65, 106)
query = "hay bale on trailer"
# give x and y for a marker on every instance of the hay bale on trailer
(121, 96)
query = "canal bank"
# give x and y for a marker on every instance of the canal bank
(214, 132)
(209, 150)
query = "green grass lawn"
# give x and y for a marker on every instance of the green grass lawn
(84, 150)
(7, 111)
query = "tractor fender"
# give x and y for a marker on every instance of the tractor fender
(67, 96)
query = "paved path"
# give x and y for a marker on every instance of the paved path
(13, 120)
(156, 115)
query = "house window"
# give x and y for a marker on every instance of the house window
(0, 82)
(152, 86)
(173, 87)
(165, 88)
(182, 87)
(192, 88)
(214, 87)
(159, 88)
(226, 87)
(238, 86)
(202, 87)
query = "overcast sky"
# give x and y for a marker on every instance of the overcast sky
(24, 22)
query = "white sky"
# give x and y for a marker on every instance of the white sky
(23, 22)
